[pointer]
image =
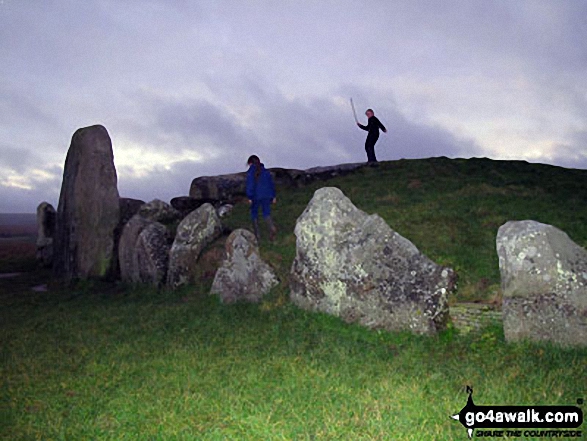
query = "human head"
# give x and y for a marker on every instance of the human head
(253, 159)
(369, 113)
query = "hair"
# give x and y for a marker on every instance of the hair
(254, 160)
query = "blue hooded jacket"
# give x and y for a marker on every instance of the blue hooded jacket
(261, 188)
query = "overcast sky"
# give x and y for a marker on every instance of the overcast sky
(190, 88)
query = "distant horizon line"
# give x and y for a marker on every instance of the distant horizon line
(351, 163)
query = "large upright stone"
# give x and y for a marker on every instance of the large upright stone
(152, 254)
(88, 210)
(45, 233)
(127, 248)
(143, 252)
(128, 208)
(354, 266)
(243, 274)
(197, 230)
(544, 284)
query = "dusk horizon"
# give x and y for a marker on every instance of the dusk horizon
(189, 90)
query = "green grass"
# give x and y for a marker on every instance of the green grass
(103, 361)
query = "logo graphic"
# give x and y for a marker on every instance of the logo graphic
(519, 417)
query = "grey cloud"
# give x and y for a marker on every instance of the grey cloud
(15, 158)
(172, 76)
(573, 154)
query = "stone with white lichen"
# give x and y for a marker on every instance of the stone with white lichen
(544, 283)
(353, 265)
(244, 275)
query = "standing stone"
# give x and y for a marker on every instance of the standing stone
(243, 274)
(159, 211)
(128, 208)
(88, 210)
(544, 284)
(45, 232)
(197, 230)
(152, 254)
(127, 255)
(354, 266)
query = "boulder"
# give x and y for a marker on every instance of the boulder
(128, 208)
(544, 284)
(144, 251)
(243, 274)
(159, 211)
(230, 187)
(152, 254)
(88, 210)
(185, 204)
(45, 232)
(354, 266)
(127, 246)
(197, 230)
(219, 188)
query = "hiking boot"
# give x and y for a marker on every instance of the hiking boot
(272, 229)
(256, 230)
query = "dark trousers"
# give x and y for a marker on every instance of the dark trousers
(370, 148)
(265, 205)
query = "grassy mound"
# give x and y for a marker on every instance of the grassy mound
(104, 361)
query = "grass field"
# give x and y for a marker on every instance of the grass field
(103, 361)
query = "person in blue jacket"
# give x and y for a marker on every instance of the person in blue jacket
(261, 193)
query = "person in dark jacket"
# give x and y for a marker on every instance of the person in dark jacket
(373, 126)
(261, 193)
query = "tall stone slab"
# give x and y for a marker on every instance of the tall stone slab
(354, 266)
(88, 210)
(196, 231)
(45, 232)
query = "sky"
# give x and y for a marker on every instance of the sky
(188, 88)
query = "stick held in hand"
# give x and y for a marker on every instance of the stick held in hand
(354, 112)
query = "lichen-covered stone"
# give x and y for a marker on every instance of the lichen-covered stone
(544, 283)
(144, 252)
(197, 230)
(354, 266)
(88, 210)
(127, 248)
(45, 232)
(159, 211)
(152, 254)
(128, 208)
(243, 274)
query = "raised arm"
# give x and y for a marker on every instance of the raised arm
(363, 127)
(381, 126)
